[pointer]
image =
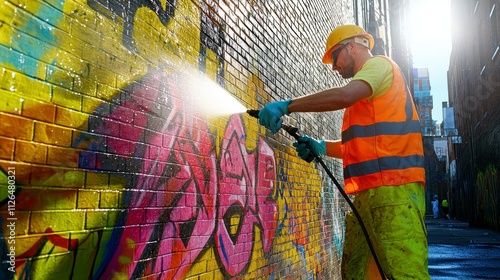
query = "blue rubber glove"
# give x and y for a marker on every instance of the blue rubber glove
(318, 146)
(270, 115)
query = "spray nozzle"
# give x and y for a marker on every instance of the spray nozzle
(253, 113)
(288, 128)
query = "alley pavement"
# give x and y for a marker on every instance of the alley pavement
(458, 251)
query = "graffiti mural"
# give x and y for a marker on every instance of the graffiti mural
(177, 192)
(488, 194)
(127, 11)
(111, 171)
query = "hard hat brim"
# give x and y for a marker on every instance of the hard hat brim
(327, 57)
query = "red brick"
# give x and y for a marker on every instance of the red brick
(51, 134)
(38, 110)
(57, 176)
(63, 157)
(6, 148)
(39, 199)
(22, 170)
(16, 127)
(30, 152)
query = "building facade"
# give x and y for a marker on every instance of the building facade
(474, 85)
(423, 100)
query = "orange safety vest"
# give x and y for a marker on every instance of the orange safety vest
(382, 141)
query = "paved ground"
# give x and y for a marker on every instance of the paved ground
(457, 251)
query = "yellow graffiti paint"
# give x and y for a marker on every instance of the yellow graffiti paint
(487, 194)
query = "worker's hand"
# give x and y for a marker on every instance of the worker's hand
(270, 115)
(301, 146)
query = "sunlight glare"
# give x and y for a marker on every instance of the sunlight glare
(430, 27)
(430, 39)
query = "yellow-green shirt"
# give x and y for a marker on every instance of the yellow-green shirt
(377, 72)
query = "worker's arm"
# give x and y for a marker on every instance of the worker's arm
(331, 99)
(333, 148)
(328, 100)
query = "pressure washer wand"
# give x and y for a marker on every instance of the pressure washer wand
(293, 132)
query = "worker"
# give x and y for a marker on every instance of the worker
(435, 207)
(382, 152)
(446, 209)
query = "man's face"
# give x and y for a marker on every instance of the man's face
(343, 61)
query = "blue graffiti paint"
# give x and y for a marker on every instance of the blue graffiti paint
(302, 254)
(26, 51)
(221, 242)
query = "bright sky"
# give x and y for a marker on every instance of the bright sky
(431, 46)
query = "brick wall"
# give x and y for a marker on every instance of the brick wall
(473, 93)
(111, 168)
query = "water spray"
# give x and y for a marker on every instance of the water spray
(293, 132)
(206, 95)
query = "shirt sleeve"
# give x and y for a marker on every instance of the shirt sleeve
(377, 72)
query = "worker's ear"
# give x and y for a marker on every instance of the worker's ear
(352, 48)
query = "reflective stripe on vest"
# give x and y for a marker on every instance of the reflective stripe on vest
(382, 141)
(387, 128)
(382, 164)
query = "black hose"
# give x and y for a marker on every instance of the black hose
(293, 132)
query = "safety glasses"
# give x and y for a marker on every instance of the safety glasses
(336, 53)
